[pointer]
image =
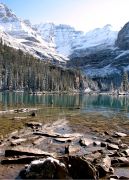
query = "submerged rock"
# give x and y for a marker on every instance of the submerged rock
(33, 114)
(34, 124)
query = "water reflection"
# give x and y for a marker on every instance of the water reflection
(116, 103)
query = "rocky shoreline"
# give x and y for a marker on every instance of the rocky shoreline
(51, 152)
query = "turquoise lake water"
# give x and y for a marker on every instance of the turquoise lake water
(80, 101)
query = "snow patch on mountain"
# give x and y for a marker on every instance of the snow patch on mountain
(123, 53)
(61, 36)
(68, 41)
(24, 34)
(103, 37)
(100, 72)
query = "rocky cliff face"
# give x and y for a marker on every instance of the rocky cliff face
(62, 36)
(123, 37)
(102, 54)
(22, 33)
(106, 60)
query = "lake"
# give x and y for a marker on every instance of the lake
(88, 115)
(79, 110)
(83, 102)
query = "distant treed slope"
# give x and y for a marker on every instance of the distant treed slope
(19, 71)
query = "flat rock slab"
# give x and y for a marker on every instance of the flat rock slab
(64, 140)
(104, 166)
(112, 147)
(38, 141)
(93, 156)
(119, 134)
(18, 141)
(123, 160)
(18, 160)
(29, 151)
(85, 141)
(72, 149)
(126, 152)
(114, 141)
(53, 135)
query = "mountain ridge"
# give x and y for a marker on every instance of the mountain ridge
(100, 53)
(26, 36)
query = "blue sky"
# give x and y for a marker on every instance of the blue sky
(81, 14)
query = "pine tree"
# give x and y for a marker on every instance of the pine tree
(125, 81)
(112, 87)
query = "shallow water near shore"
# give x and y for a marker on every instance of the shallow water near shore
(86, 114)
(76, 108)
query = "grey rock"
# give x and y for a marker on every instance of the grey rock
(124, 177)
(119, 134)
(114, 141)
(93, 157)
(17, 141)
(113, 177)
(103, 144)
(123, 146)
(126, 152)
(72, 149)
(104, 166)
(80, 168)
(34, 124)
(48, 168)
(120, 162)
(96, 143)
(85, 141)
(123, 37)
(112, 147)
(18, 160)
(29, 151)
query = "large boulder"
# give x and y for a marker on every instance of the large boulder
(65, 167)
(104, 165)
(80, 168)
(48, 168)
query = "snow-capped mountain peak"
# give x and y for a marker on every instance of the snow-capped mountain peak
(24, 34)
(61, 36)
(6, 14)
(103, 37)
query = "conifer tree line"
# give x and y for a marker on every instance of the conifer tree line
(20, 71)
